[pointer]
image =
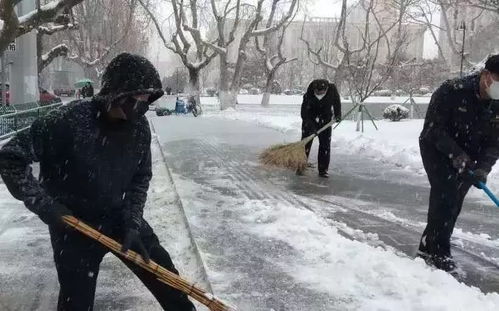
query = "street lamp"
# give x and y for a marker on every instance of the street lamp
(462, 27)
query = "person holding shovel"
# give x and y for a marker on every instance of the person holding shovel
(320, 104)
(95, 164)
(459, 146)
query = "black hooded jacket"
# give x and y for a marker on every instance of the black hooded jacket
(315, 113)
(97, 168)
(459, 122)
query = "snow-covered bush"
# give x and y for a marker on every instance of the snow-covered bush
(396, 112)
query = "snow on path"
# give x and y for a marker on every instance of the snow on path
(273, 238)
(396, 143)
(28, 279)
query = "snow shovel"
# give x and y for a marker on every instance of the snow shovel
(163, 275)
(486, 189)
(292, 156)
(489, 193)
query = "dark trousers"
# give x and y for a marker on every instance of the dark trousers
(324, 155)
(446, 200)
(77, 259)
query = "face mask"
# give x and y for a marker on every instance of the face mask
(319, 97)
(493, 89)
(134, 108)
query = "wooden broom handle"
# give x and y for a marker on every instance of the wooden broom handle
(322, 129)
(163, 274)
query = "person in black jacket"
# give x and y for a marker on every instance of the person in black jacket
(320, 103)
(459, 145)
(95, 164)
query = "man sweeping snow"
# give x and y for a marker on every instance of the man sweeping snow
(320, 103)
(459, 145)
(95, 164)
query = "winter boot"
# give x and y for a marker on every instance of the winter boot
(445, 263)
(300, 172)
(323, 174)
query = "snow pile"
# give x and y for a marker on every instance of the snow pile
(362, 277)
(296, 100)
(395, 143)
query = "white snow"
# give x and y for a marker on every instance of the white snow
(396, 143)
(46, 7)
(28, 275)
(297, 100)
(363, 277)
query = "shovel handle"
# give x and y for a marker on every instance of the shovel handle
(489, 193)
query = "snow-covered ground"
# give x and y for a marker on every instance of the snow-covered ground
(28, 279)
(267, 248)
(396, 143)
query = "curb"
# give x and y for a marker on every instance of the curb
(178, 201)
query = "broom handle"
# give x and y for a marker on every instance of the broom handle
(322, 129)
(163, 274)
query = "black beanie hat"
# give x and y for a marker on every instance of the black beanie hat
(128, 75)
(318, 84)
(321, 84)
(492, 64)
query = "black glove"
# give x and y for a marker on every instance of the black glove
(476, 177)
(53, 215)
(132, 239)
(462, 162)
(337, 119)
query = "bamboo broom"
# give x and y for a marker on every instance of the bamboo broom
(163, 275)
(293, 155)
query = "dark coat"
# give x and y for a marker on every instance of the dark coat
(459, 122)
(87, 164)
(98, 169)
(315, 113)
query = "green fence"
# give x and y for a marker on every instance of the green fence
(12, 123)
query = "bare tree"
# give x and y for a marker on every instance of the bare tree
(230, 73)
(489, 5)
(452, 14)
(13, 26)
(104, 28)
(194, 54)
(273, 60)
(59, 50)
(365, 64)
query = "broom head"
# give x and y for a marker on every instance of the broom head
(291, 156)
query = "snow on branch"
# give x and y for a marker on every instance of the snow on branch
(215, 47)
(47, 13)
(57, 51)
(278, 25)
(14, 26)
(51, 29)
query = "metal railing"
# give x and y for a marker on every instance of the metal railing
(13, 123)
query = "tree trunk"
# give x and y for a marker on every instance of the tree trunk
(90, 73)
(268, 89)
(39, 52)
(193, 87)
(228, 99)
(226, 96)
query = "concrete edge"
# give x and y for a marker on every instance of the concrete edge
(178, 201)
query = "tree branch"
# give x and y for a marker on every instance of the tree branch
(47, 58)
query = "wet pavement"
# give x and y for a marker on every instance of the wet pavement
(220, 157)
